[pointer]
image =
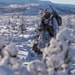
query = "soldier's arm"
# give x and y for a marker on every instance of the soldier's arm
(55, 26)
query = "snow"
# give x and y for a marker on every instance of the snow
(6, 71)
(17, 35)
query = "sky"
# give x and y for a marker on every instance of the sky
(62, 1)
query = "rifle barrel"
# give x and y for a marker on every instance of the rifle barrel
(52, 8)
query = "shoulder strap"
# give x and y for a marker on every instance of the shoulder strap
(51, 19)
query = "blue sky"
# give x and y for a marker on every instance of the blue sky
(62, 1)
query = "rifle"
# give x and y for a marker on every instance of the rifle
(58, 18)
(54, 12)
(52, 8)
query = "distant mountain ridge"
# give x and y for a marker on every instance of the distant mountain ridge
(21, 1)
(34, 7)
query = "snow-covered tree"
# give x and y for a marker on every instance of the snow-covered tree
(58, 57)
(37, 67)
(10, 64)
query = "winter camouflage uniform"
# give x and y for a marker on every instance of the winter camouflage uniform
(47, 29)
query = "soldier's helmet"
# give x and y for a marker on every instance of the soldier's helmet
(47, 13)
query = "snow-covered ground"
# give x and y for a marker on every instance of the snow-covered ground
(10, 29)
(21, 30)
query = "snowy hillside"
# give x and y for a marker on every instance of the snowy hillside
(35, 7)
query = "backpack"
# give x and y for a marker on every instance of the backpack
(58, 18)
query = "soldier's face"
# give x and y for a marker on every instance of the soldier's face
(47, 15)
